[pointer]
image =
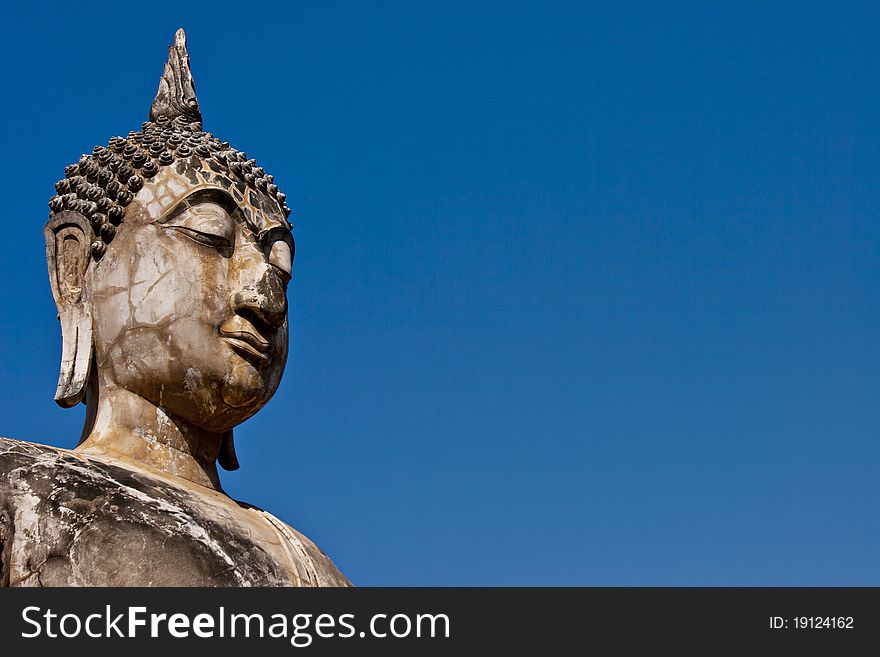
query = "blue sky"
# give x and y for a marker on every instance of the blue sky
(583, 294)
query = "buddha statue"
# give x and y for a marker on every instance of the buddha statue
(169, 255)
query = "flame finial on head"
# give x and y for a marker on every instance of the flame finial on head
(176, 97)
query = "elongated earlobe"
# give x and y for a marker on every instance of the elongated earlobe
(227, 458)
(68, 248)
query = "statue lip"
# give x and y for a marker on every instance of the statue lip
(241, 335)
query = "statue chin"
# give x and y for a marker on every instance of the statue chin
(233, 401)
(245, 390)
(219, 403)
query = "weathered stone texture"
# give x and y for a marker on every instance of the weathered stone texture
(72, 520)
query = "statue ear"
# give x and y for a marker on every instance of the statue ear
(68, 253)
(227, 458)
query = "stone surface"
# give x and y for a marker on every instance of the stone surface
(169, 256)
(70, 519)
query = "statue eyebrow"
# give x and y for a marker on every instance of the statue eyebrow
(208, 195)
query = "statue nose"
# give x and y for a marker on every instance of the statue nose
(266, 301)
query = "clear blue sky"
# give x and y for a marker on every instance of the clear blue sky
(582, 294)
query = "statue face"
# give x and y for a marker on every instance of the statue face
(188, 303)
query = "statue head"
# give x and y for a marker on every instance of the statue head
(169, 255)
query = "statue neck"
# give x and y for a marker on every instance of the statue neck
(124, 426)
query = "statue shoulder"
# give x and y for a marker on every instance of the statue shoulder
(43, 473)
(12, 454)
(12, 450)
(314, 567)
(22, 461)
(30, 477)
